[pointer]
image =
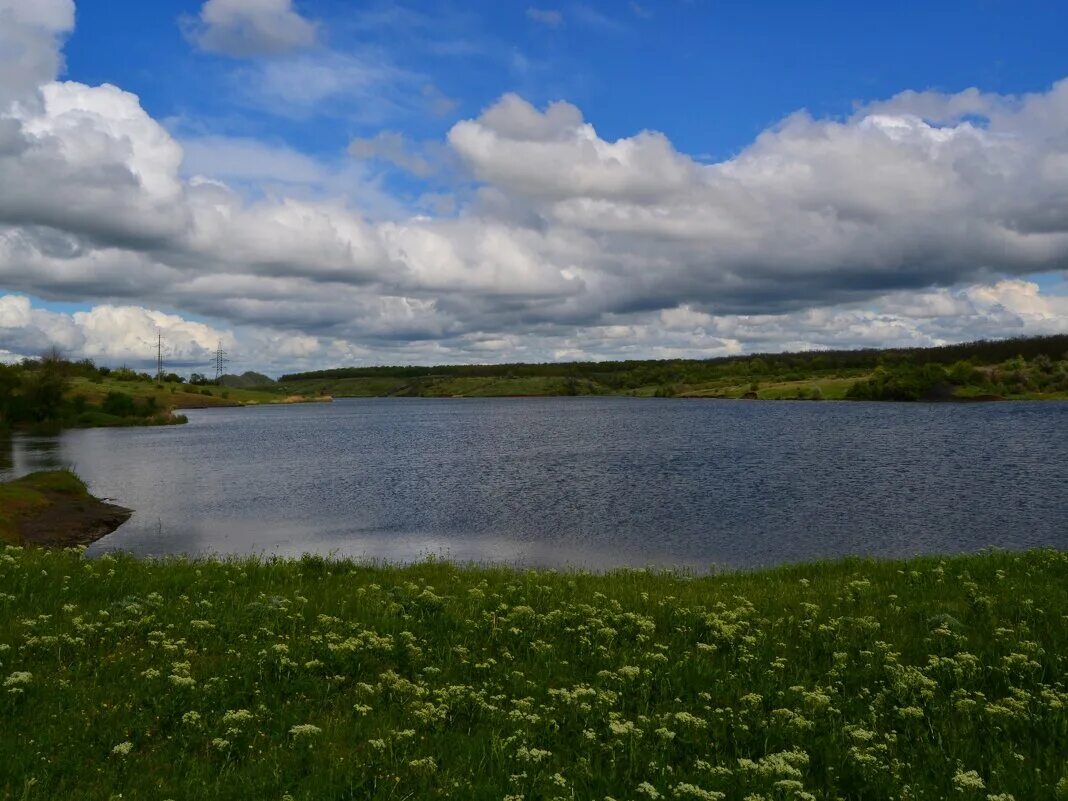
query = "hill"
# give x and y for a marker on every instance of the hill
(247, 380)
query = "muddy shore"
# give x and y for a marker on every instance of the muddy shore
(54, 509)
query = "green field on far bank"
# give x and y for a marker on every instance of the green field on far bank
(52, 392)
(931, 678)
(170, 394)
(1022, 369)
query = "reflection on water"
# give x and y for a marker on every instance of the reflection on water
(21, 454)
(598, 482)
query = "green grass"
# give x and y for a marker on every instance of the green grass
(822, 385)
(834, 388)
(933, 678)
(168, 397)
(445, 387)
(28, 494)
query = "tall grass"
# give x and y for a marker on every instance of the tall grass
(312, 679)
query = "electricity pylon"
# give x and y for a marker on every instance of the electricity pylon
(220, 361)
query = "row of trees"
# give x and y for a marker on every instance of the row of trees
(1015, 376)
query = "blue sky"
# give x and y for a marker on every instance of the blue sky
(711, 75)
(320, 181)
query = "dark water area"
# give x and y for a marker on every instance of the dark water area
(591, 482)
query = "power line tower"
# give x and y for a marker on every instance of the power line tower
(159, 356)
(220, 361)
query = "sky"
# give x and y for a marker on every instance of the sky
(316, 183)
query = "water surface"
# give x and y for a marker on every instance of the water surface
(596, 482)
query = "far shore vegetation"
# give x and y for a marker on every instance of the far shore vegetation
(53, 392)
(1019, 369)
(928, 679)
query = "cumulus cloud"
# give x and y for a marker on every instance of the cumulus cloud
(400, 330)
(90, 161)
(107, 333)
(29, 44)
(246, 28)
(917, 219)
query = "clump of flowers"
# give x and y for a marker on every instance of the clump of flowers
(122, 749)
(304, 731)
(20, 678)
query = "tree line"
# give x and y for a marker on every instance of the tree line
(780, 366)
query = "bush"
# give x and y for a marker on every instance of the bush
(902, 382)
(119, 404)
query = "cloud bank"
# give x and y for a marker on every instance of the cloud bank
(916, 220)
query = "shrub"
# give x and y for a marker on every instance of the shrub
(119, 404)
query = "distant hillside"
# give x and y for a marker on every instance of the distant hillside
(1034, 367)
(980, 352)
(247, 380)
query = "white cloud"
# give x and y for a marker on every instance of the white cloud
(91, 162)
(556, 154)
(364, 87)
(246, 28)
(128, 333)
(30, 31)
(402, 330)
(110, 334)
(244, 160)
(914, 220)
(289, 70)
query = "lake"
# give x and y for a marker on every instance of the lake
(591, 482)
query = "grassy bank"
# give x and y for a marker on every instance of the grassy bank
(54, 508)
(28, 496)
(169, 396)
(926, 679)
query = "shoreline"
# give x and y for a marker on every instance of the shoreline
(54, 509)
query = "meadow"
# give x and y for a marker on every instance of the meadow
(931, 678)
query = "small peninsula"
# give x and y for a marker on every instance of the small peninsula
(54, 509)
